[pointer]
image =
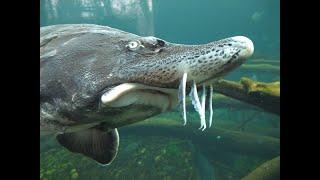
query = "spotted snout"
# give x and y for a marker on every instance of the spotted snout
(202, 62)
(218, 58)
(245, 44)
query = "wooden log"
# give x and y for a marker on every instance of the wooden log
(211, 139)
(263, 95)
(269, 170)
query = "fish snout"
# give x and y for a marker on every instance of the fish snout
(247, 47)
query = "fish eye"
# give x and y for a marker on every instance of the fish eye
(133, 44)
(160, 42)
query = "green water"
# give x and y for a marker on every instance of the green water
(229, 150)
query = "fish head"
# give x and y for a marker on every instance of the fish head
(156, 62)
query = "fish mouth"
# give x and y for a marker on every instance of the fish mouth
(127, 94)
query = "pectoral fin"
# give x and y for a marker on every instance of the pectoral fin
(94, 142)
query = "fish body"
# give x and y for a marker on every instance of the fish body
(94, 79)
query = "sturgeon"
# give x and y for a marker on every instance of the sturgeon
(94, 79)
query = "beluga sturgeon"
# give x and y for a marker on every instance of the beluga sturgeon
(94, 79)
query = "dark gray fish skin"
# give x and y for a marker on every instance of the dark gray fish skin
(95, 143)
(80, 62)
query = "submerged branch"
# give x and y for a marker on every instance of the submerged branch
(263, 95)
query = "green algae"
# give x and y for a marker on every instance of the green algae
(153, 158)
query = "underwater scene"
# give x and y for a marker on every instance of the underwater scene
(227, 129)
